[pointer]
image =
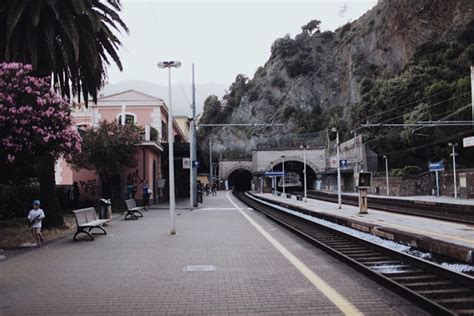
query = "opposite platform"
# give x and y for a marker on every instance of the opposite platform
(218, 263)
(447, 238)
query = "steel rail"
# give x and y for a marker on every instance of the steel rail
(429, 286)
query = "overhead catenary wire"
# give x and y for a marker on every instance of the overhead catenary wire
(411, 103)
(428, 107)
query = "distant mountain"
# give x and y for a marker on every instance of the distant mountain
(181, 93)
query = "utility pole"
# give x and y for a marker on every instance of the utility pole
(454, 154)
(193, 153)
(210, 159)
(339, 196)
(305, 188)
(386, 173)
(472, 93)
(283, 167)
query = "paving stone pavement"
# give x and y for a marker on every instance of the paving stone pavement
(139, 269)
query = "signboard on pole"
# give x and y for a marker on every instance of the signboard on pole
(343, 163)
(437, 166)
(274, 173)
(468, 141)
(186, 163)
(333, 162)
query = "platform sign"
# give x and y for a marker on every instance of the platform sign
(186, 163)
(468, 141)
(343, 163)
(274, 173)
(437, 166)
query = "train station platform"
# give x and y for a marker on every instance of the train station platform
(421, 198)
(455, 240)
(225, 259)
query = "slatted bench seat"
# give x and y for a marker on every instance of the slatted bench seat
(133, 212)
(86, 221)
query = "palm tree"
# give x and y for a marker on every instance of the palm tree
(74, 41)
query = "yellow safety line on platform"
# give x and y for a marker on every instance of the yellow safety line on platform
(343, 304)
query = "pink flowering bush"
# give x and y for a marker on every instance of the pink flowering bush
(33, 118)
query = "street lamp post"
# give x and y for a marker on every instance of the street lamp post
(454, 154)
(210, 161)
(169, 65)
(339, 197)
(304, 172)
(283, 163)
(386, 173)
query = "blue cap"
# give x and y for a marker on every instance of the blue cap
(36, 202)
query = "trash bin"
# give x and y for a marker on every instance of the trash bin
(105, 209)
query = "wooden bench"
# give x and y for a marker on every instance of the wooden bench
(86, 221)
(133, 212)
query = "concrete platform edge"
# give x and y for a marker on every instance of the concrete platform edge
(422, 242)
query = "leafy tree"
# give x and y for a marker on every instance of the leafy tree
(34, 120)
(285, 47)
(433, 86)
(212, 110)
(108, 150)
(73, 40)
(311, 27)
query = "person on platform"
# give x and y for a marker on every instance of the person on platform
(35, 217)
(75, 192)
(146, 194)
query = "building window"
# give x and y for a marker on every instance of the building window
(129, 119)
(164, 131)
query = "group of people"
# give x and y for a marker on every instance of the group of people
(211, 189)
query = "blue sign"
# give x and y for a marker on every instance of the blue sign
(437, 166)
(196, 164)
(343, 163)
(274, 173)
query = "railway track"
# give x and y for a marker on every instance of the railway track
(456, 213)
(433, 288)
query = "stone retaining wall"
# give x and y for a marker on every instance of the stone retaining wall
(424, 183)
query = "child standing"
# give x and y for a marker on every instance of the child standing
(35, 217)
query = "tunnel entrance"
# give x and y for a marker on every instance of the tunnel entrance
(240, 180)
(294, 178)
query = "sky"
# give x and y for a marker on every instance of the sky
(222, 38)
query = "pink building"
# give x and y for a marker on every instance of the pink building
(140, 109)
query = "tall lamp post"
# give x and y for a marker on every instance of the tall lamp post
(339, 197)
(210, 161)
(169, 65)
(304, 172)
(454, 154)
(386, 173)
(193, 153)
(284, 180)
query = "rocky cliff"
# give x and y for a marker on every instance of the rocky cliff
(313, 81)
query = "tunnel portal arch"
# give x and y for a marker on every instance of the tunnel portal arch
(294, 169)
(240, 180)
